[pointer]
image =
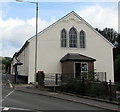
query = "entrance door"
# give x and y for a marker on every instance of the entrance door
(77, 70)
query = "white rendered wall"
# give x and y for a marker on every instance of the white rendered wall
(12, 63)
(24, 58)
(31, 77)
(50, 52)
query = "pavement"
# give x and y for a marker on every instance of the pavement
(103, 104)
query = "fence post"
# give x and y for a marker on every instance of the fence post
(83, 86)
(56, 79)
(118, 102)
(40, 79)
(110, 89)
(61, 83)
(105, 77)
(61, 78)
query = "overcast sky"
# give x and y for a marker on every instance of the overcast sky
(17, 19)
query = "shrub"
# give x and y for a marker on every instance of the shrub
(89, 88)
(118, 87)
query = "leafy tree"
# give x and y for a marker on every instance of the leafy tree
(117, 49)
(109, 33)
(117, 60)
(117, 69)
(6, 61)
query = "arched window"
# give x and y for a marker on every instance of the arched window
(63, 38)
(73, 38)
(82, 39)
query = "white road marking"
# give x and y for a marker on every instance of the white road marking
(7, 95)
(15, 108)
(6, 108)
(52, 93)
(10, 84)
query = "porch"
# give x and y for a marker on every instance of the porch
(77, 65)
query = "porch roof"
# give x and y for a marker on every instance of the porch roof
(76, 57)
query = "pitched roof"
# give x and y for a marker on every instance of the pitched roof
(76, 57)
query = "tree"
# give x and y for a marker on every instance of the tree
(117, 49)
(6, 61)
(117, 69)
(109, 33)
(117, 60)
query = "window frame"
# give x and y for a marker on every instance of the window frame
(81, 66)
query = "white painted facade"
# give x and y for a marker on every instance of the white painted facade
(50, 51)
(23, 57)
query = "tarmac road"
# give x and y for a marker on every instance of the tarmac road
(18, 101)
(14, 100)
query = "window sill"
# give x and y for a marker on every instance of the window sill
(73, 48)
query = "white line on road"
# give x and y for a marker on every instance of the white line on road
(15, 108)
(7, 95)
(10, 84)
(6, 108)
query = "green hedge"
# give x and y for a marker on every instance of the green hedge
(118, 87)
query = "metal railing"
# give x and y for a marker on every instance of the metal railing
(88, 84)
(55, 79)
(95, 76)
(51, 79)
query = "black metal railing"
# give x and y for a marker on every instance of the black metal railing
(88, 84)
(56, 78)
(95, 76)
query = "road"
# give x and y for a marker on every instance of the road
(19, 101)
(13, 100)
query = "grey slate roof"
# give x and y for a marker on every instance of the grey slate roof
(76, 57)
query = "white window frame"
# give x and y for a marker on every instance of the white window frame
(81, 66)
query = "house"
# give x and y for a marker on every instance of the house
(69, 46)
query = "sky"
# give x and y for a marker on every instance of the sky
(17, 19)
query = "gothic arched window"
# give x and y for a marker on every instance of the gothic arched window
(82, 39)
(63, 38)
(73, 38)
